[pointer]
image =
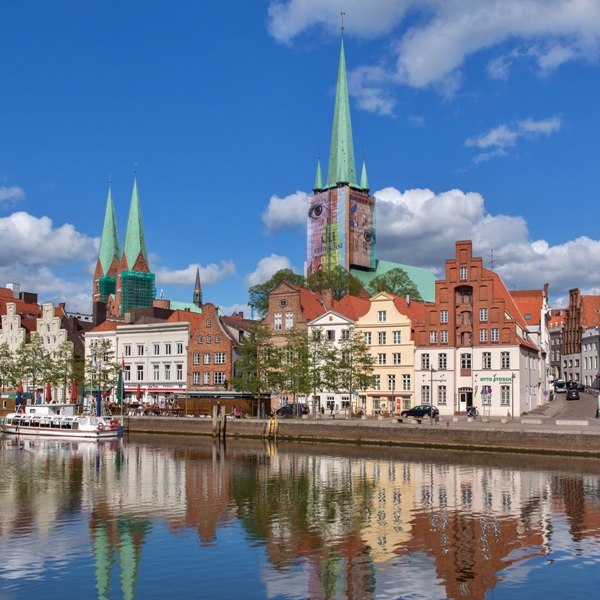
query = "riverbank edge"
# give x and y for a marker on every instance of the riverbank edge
(514, 440)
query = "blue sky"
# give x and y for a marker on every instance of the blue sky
(479, 121)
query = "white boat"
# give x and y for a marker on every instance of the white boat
(59, 420)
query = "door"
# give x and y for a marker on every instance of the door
(465, 399)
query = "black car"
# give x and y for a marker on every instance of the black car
(423, 410)
(580, 387)
(573, 395)
(290, 410)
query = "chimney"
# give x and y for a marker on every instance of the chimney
(98, 313)
(407, 299)
(328, 299)
(241, 314)
(15, 288)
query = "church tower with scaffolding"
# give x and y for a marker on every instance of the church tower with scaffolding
(341, 213)
(123, 279)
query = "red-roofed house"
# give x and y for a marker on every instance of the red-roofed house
(474, 339)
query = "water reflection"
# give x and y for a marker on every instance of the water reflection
(297, 521)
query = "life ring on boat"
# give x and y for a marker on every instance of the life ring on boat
(100, 426)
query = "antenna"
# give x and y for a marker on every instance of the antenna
(491, 255)
(343, 15)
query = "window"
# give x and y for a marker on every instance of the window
(277, 323)
(433, 337)
(196, 378)
(528, 317)
(425, 398)
(155, 373)
(140, 349)
(443, 316)
(179, 370)
(345, 334)
(576, 362)
(219, 377)
(487, 360)
(406, 382)
(495, 335)
(167, 372)
(206, 378)
(483, 335)
(330, 335)
(179, 348)
(209, 339)
(465, 318)
(381, 316)
(167, 348)
(127, 373)
(424, 361)
(156, 349)
(397, 337)
(483, 314)
(463, 273)
(381, 337)
(397, 358)
(289, 320)
(442, 361)
(465, 361)
(505, 360)
(381, 358)
(197, 358)
(505, 395)
(219, 358)
(199, 339)
(140, 373)
(209, 322)
(127, 350)
(444, 336)
(465, 296)
(377, 382)
(441, 399)
(368, 338)
(207, 358)
(391, 383)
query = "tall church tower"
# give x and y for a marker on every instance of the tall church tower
(341, 213)
(135, 283)
(198, 290)
(105, 275)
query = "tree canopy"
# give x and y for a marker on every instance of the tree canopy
(396, 281)
(259, 293)
(339, 280)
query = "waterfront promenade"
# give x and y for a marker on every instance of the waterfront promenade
(559, 428)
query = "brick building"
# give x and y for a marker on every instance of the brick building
(474, 339)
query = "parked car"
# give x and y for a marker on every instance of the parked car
(423, 410)
(580, 387)
(290, 410)
(573, 395)
(571, 385)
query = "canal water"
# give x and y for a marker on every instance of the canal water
(185, 518)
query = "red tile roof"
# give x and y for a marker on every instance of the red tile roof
(352, 307)
(179, 316)
(106, 326)
(309, 301)
(510, 306)
(590, 311)
(557, 317)
(530, 302)
(415, 310)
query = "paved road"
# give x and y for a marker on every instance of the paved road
(584, 408)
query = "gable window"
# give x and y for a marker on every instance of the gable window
(209, 339)
(483, 314)
(277, 321)
(209, 322)
(217, 338)
(463, 273)
(289, 320)
(199, 339)
(443, 316)
(381, 316)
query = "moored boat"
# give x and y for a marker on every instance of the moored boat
(59, 420)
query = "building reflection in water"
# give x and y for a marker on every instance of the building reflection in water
(333, 521)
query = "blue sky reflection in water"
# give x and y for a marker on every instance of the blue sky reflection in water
(181, 518)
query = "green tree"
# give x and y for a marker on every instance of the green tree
(256, 364)
(259, 294)
(101, 368)
(33, 364)
(63, 363)
(396, 281)
(339, 280)
(355, 370)
(322, 361)
(7, 367)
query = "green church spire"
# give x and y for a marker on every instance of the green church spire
(319, 178)
(342, 168)
(109, 242)
(135, 242)
(364, 180)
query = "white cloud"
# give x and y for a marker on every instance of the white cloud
(208, 275)
(501, 137)
(285, 213)
(267, 267)
(11, 195)
(438, 36)
(419, 227)
(25, 239)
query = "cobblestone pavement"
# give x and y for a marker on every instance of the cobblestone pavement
(584, 408)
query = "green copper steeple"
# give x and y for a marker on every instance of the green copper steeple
(109, 242)
(364, 180)
(135, 242)
(319, 178)
(341, 155)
